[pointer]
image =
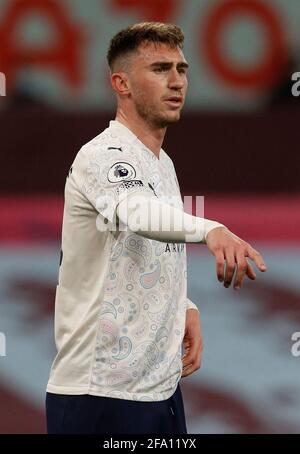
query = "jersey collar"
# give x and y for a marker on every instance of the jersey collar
(123, 131)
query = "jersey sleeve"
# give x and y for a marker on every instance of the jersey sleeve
(106, 177)
(191, 305)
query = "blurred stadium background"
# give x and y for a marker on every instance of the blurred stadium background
(237, 144)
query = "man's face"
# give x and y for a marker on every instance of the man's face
(158, 81)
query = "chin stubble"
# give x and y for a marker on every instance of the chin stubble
(148, 114)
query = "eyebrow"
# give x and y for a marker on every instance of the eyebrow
(164, 64)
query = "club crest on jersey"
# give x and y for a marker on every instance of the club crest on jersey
(121, 171)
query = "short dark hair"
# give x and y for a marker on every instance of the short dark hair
(129, 39)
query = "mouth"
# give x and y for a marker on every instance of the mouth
(174, 101)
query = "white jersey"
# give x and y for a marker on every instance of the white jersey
(121, 298)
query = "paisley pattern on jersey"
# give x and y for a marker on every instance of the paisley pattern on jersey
(142, 317)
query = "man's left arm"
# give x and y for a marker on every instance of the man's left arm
(192, 341)
(191, 305)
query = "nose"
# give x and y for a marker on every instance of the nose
(176, 81)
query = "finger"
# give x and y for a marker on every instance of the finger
(192, 354)
(220, 265)
(250, 272)
(187, 371)
(190, 368)
(230, 268)
(186, 360)
(257, 259)
(189, 358)
(242, 267)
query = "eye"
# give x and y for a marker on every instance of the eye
(182, 70)
(160, 70)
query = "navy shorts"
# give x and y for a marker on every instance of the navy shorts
(86, 414)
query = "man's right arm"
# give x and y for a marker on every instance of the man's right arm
(145, 215)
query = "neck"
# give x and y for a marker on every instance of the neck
(152, 137)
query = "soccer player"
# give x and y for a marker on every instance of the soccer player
(122, 314)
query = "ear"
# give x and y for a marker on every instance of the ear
(120, 83)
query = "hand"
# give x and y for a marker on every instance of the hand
(192, 343)
(229, 248)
